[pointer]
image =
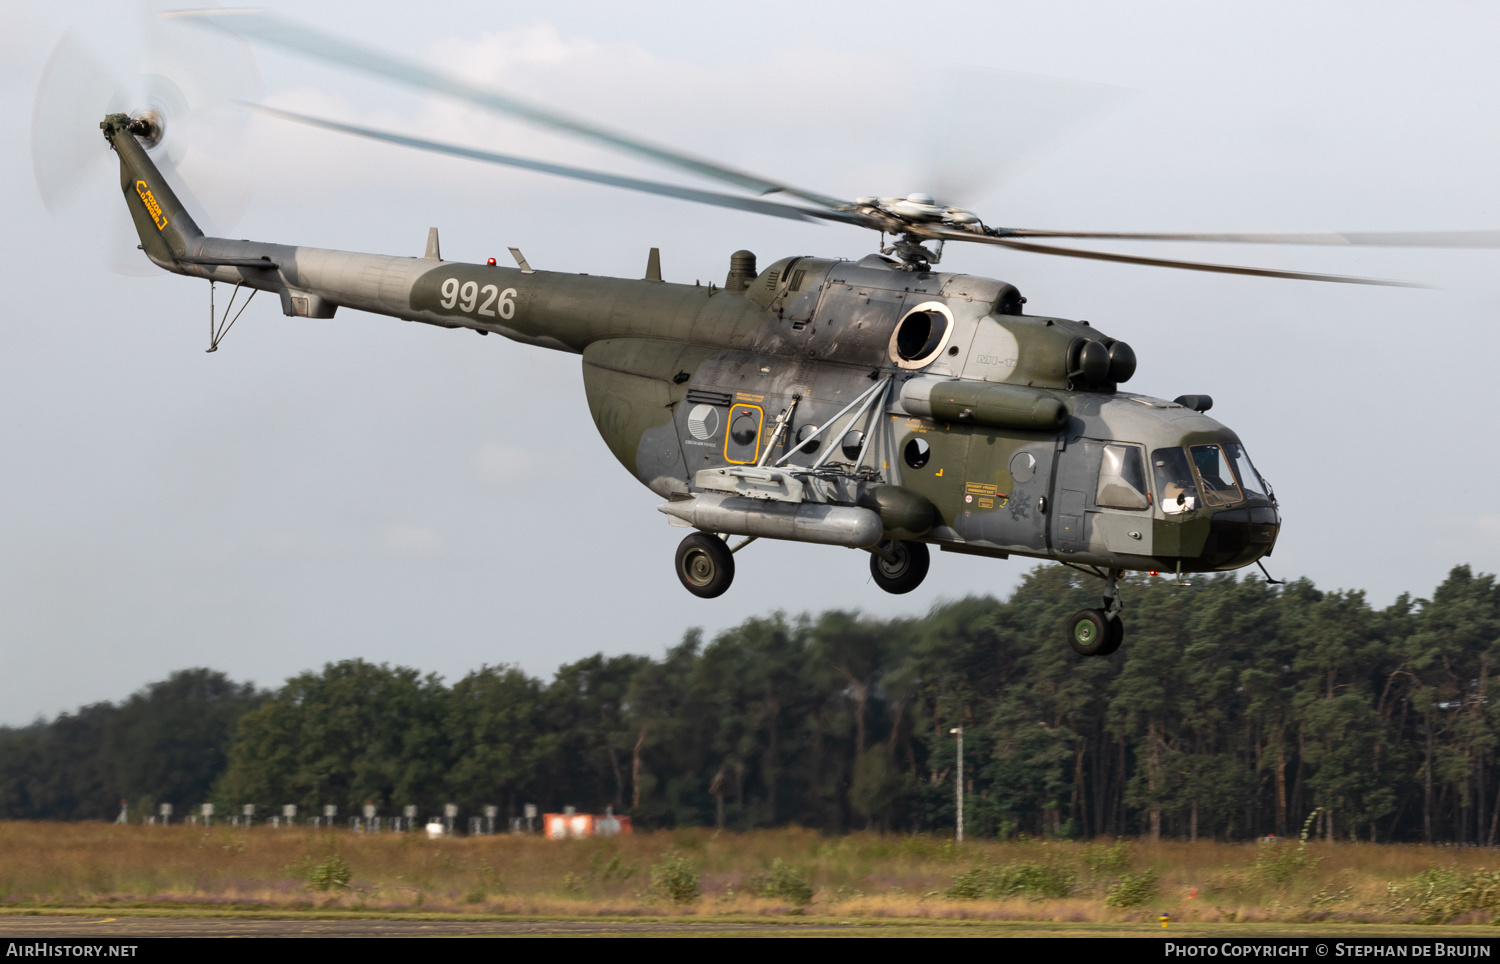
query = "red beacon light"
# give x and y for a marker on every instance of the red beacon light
(491, 262)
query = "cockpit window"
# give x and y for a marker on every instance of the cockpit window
(1219, 487)
(1250, 479)
(1122, 479)
(1174, 481)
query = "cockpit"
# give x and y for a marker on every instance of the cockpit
(1199, 476)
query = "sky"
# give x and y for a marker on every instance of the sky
(319, 490)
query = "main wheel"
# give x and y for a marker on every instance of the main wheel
(705, 565)
(1089, 633)
(907, 572)
(1116, 636)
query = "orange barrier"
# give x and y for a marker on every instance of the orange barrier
(576, 826)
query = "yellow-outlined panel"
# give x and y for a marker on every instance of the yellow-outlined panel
(760, 424)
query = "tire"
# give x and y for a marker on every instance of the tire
(907, 572)
(705, 565)
(1089, 633)
(1116, 636)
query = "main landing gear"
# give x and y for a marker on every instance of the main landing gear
(1099, 632)
(899, 566)
(705, 564)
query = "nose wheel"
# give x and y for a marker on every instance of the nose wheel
(1093, 632)
(705, 565)
(1099, 632)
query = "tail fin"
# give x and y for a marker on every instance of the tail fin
(163, 224)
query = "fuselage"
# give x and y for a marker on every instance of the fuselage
(991, 431)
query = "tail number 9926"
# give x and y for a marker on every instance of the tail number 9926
(472, 299)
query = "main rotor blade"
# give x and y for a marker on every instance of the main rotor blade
(299, 38)
(1168, 263)
(754, 205)
(1392, 239)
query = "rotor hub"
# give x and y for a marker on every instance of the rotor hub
(148, 126)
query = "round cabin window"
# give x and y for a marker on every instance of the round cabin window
(803, 434)
(745, 427)
(852, 444)
(917, 453)
(921, 335)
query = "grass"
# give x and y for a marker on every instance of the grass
(775, 874)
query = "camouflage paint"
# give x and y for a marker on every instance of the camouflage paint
(665, 366)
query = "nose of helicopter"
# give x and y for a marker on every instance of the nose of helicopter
(1238, 537)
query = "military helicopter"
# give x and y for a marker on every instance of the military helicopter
(877, 404)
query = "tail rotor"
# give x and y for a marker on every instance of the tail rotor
(187, 96)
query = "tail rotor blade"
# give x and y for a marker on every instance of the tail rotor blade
(66, 147)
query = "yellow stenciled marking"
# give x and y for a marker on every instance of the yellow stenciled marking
(152, 208)
(981, 488)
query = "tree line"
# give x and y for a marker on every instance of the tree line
(1234, 709)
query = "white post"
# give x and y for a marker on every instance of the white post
(959, 789)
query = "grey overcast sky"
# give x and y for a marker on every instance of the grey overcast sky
(360, 487)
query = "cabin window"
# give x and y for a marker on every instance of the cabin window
(1174, 481)
(1219, 487)
(742, 440)
(1122, 479)
(917, 452)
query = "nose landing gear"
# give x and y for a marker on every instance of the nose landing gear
(1099, 632)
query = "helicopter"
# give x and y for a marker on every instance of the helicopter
(877, 404)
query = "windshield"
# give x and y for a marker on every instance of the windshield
(1250, 479)
(1174, 481)
(1219, 487)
